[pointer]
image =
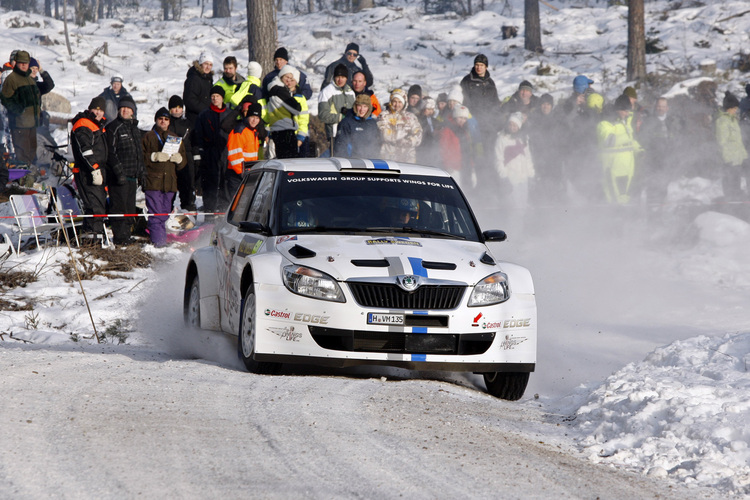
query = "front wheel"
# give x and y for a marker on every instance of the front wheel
(246, 340)
(192, 308)
(506, 385)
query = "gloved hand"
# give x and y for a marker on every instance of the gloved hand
(159, 156)
(176, 158)
(361, 60)
(344, 110)
(97, 179)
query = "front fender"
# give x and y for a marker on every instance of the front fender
(519, 278)
(203, 264)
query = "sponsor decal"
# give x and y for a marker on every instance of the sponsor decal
(278, 314)
(311, 179)
(311, 318)
(282, 239)
(249, 246)
(287, 333)
(508, 323)
(510, 342)
(476, 320)
(393, 241)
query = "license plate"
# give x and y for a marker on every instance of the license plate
(385, 319)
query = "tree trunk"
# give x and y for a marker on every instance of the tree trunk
(48, 8)
(533, 31)
(57, 9)
(261, 32)
(311, 6)
(636, 41)
(65, 27)
(221, 8)
(358, 5)
(165, 10)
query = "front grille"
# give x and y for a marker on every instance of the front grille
(462, 344)
(391, 296)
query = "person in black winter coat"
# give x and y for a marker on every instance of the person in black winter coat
(180, 126)
(90, 152)
(358, 133)
(480, 96)
(353, 61)
(197, 89)
(125, 168)
(211, 143)
(281, 59)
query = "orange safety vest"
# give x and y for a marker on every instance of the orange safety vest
(242, 146)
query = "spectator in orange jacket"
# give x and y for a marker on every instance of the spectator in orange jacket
(244, 145)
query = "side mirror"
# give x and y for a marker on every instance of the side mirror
(494, 235)
(252, 227)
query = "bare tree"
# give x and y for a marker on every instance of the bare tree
(221, 8)
(310, 6)
(533, 31)
(261, 32)
(358, 5)
(636, 41)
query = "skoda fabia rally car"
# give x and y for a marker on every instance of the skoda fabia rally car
(342, 262)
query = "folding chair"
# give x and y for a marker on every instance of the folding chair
(30, 219)
(64, 203)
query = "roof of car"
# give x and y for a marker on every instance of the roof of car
(351, 165)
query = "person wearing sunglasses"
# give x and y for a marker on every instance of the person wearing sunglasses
(354, 62)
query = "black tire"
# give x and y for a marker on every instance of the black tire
(506, 385)
(192, 308)
(246, 338)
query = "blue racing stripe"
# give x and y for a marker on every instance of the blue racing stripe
(416, 266)
(419, 329)
(380, 165)
(419, 357)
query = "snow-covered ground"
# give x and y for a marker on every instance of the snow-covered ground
(644, 343)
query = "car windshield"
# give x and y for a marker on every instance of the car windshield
(350, 203)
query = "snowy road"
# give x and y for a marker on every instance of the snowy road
(107, 422)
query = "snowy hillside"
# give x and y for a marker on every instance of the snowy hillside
(644, 333)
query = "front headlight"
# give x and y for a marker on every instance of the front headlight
(312, 283)
(491, 290)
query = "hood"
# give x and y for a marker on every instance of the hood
(345, 257)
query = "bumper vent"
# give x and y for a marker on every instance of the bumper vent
(427, 297)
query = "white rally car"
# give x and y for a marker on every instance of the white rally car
(341, 262)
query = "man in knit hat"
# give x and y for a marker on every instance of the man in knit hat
(523, 100)
(353, 61)
(186, 177)
(90, 152)
(281, 59)
(125, 168)
(335, 100)
(160, 184)
(480, 96)
(21, 97)
(197, 89)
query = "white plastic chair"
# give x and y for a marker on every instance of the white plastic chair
(30, 220)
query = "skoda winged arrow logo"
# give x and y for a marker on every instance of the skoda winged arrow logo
(408, 282)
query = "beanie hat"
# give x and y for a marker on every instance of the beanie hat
(98, 103)
(630, 92)
(546, 98)
(13, 55)
(428, 103)
(526, 85)
(116, 78)
(398, 94)
(622, 103)
(481, 58)
(254, 69)
(205, 57)
(217, 89)
(126, 102)
(461, 112)
(340, 70)
(352, 46)
(289, 70)
(162, 113)
(254, 109)
(456, 94)
(175, 101)
(581, 83)
(442, 97)
(595, 101)
(33, 63)
(730, 101)
(22, 56)
(281, 53)
(415, 90)
(516, 118)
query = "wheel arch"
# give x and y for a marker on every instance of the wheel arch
(201, 264)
